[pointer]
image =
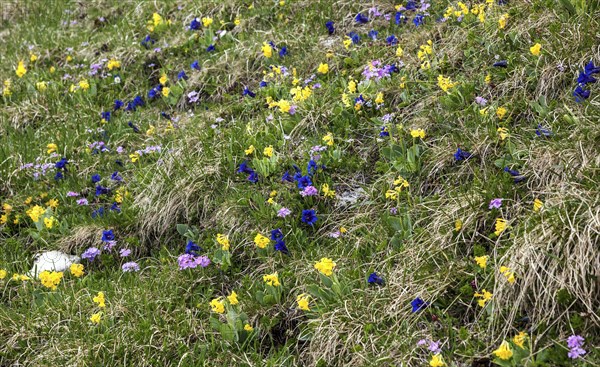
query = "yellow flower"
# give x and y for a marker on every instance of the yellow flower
(35, 213)
(100, 300)
(163, 79)
(223, 240)
(272, 279)
(6, 207)
(207, 21)
(379, 98)
(418, 133)
(41, 86)
(250, 150)
(520, 339)
(302, 301)
(49, 222)
(237, 21)
(399, 51)
(536, 49)
(509, 275)
(503, 352)
(352, 86)
(500, 226)
(51, 279)
(484, 296)
(76, 270)
(113, 64)
(267, 50)
(401, 181)
(69, 58)
(248, 328)
(445, 83)
(327, 192)
(325, 266)
(437, 361)
(502, 21)
(53, 203)
(165, 91)
(21, 277)
(458, 225)
(284, 106)
(391, 194)
(273, 193)
(28, 200)
(157, 19)
(96, 318)
(261, 241)
(232, 298)
(482, 261)
(21, 69)
(268, 151)
(488, 79)
(134, 157)
(32, 57)
(52, 69)
(3, 274)
(501, 112)
(323, 68)
(83, 84)
(537, 205)
(347, 42)
(503, 133)
(328, 139)
(217, 305)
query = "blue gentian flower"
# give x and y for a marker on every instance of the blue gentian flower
(287, 177)
(581, 94)
(400, 18)
(354, 37)
(147, 41)
(373, 34)
(101, 190)
(276, 234)
(280, 246)
(283, 51)
(540, 131)
(243, 168)
(195, 65)
(361, 18)
(384, 132)
(500, 64)
(585, 78)
(303, 182)
(248, 92)
(411, 5)
(418, 304)
(419, 19)
(115, 207)
(195, 24)
(375, 279)
(182, 75)
(152, 93)
(108, 236)
(210, 48)
(392, 40)
(105, 116)
(116, 177)
(98, 212)
(263, 84)
(589, 68)
(461, 155)
(309, 217)
(135, 129)
(330, 27)
(311, 168)
(165, 115)
(517, 176)
(58, 176)
(62, 163)
(253, 177)
(191, 248)
(118, 104)
(96, 178)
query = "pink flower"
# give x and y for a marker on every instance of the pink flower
(283, 212)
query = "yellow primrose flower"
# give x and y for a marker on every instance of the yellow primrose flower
(437, 361)
(21, 70)
(217, 305)
(500, 226)
(237, 21)
(267, 50)
(401, 181)
(268, 151)
(157, 19)
(165, 91)
(284, 106)
(41, 86)
(347, 42)
(49, 222)
(51, 279)
(22, 277)
(352, 86)
(303, 301)
(3, 274)
(134, 157)
(537, 205)
(391, 194)
(7, 207)
(272, 279)
(327, 192)
(248, 328)
(501, 112)
(32, 57)
(445, 83)
(328, 139)
(100, 300)
(482, 261)
(113, 64)
(76, 270)
(503, 133)
(52, 69)
(232, 298)
(458, 225)
(261, 241)
(83, 84)
(163, 79)
(223, 240)
(503, 352)
(250, 150)
(35, 213)
(418, 133)
(53, 203)
(325, 266)
(502, 21)
(69, 58)
(536, 49)
(207, 21)
(399, 52)
(520, 339)
(484, 296)
(379, 98)
(488, 78)
(95, 318)
(3, 218)
(323, 68)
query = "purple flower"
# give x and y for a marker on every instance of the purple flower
(309, 191)
(124, 252)
(495, 203)
(434, 347)
(481, 101)
(283, 212)
(575, 341)
(189, 261)
(90, 254)
(576, 352)
(82, 201)
(193, 96)
(109, 245)
(394, 211)
(72, 194)
(130, 267)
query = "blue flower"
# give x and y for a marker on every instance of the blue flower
(309, 217)
(118, 104)
(418, 304)
(540, 131)
(410, 5)
(400, 18)
(195, 24)
(210, 48)
(361, 18)
(287, 177)
(312, 167)
(589, 68)
(182, 75)
(461, 155)
(585, 78)
(354, 37)
(373, 34)
(58, 176)
(115, 207)
(283, 51)
(191, 248)
(517, 176)
(243, 168)
(375, 279)
(98, 212)
(96, 178)
(62, 163)
(195, 65)
(105, 116)
(115, 176)
(276, 235)
(303, 182)
(248, 92)
(419, 19)
(101, 190)
(330, 27)
(500, 64)
(392, 40)
(135, 129)
(147, 41)
(108, 236)
(581, 94)
(384, 132)
(253, 177)
(263, 84)
(280, 246)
